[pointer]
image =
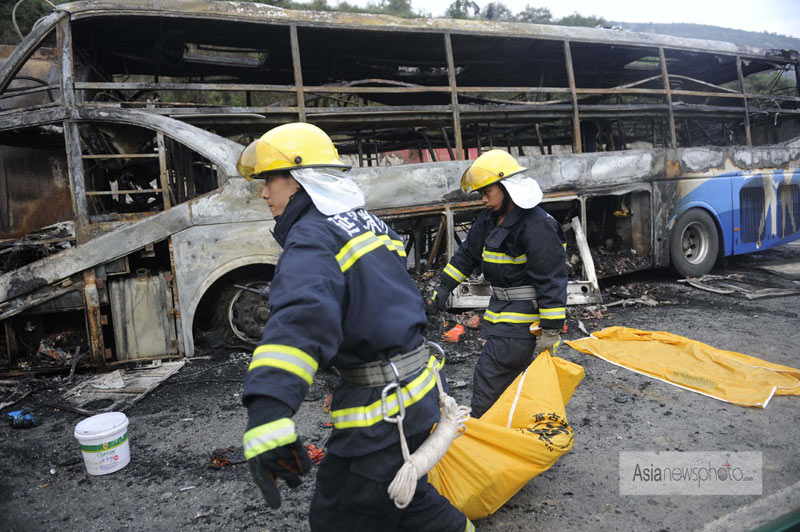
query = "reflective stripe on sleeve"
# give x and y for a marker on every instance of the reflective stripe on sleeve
(509, 317)
(557, 313)
(359, 246)
(470, 527)
(268, 436)
(453, 272)
(366, 416)
(286, 358)
(501, 258)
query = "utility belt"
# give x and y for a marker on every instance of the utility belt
(514, 293)
(384, 372)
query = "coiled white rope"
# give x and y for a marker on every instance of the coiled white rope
(450, 426)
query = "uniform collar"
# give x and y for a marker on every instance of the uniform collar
(499, 233)
(295, 209)
(510, 219)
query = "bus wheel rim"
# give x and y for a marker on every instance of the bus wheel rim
(246, 313)
(695, 243)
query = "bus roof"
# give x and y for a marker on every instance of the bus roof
(253, 12)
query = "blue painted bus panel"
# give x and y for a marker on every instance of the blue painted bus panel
(754, 210)
(766, 209)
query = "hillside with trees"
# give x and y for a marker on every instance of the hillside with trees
(715, 33)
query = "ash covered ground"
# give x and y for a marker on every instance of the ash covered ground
(170, 483)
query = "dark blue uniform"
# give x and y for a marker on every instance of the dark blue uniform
(526, 249)
(341, 296)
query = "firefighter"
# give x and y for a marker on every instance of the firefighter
(341, 296)
(521, 251)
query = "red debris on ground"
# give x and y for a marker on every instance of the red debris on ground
(473, 321)
(315, 454)
(326, 405)
(220, 459)
(456, 334)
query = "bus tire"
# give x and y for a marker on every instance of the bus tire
(235, 316)
(693, 243)
(247, 312)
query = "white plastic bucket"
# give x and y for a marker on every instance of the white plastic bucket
(104, 442)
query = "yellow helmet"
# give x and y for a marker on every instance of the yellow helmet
(295, 145)
(489, 168)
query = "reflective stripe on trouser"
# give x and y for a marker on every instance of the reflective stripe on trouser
(509, 317)
(499, 363)
(287, 358)
(351, 496)
(269, 436)
(365, 416)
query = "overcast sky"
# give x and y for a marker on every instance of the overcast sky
(777, 16)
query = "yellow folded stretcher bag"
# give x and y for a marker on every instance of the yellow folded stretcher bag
(725, 375)
(520, 436)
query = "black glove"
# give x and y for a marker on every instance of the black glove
(272, 448)
(287, 462)
(438, 301)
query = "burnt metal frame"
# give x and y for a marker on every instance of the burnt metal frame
(70, 112)
(68, 88)
(525, 109)
(91, 297)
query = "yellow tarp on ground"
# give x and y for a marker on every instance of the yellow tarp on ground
(520, 436)
(725, 375)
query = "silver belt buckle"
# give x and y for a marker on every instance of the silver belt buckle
(400, 403)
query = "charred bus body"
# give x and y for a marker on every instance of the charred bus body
(126, 234)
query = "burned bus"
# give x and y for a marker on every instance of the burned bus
(127, 236)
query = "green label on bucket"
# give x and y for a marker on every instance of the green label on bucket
(105, 446)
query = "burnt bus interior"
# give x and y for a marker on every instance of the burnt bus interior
(386, 93)
(435, 95)
(130, 173)
(382, 91)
